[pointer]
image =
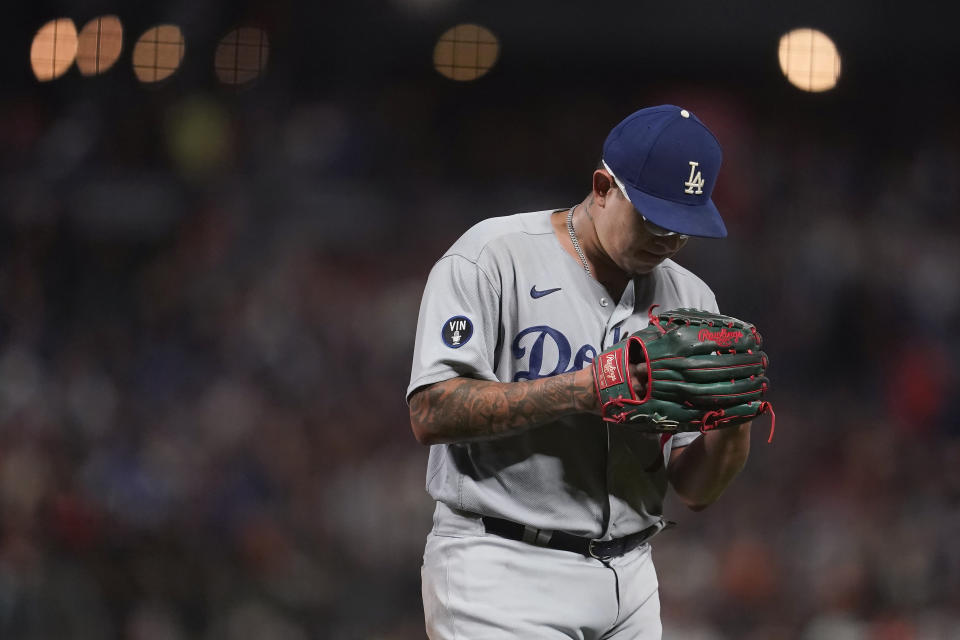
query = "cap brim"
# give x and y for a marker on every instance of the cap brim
(703, 221)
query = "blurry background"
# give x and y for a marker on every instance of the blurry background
(216, 221)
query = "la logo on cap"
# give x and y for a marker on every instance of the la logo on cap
(695, 181)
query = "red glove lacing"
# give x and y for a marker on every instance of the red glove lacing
(714, 419)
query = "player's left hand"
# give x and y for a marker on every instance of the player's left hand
(689, 370)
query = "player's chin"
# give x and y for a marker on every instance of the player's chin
(644, 262)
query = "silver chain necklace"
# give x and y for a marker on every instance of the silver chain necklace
(576, 243)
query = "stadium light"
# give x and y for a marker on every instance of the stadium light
(158, 53)
(465, 52)
(809, 60)
(53, 49)
(99, 45)
(241, 55)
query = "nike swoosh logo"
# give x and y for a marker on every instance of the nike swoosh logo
(539, 294)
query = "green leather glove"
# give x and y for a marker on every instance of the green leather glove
(704, 371)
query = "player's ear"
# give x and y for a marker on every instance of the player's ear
(602, 183)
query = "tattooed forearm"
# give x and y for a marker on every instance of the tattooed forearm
(464, 409)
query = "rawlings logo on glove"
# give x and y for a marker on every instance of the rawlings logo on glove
(609, 368)
(704, 371)
(723, 337)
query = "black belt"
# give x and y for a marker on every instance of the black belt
(599, 549)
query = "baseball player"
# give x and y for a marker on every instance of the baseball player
(544, 511)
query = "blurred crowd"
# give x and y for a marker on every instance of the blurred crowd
(207, 310)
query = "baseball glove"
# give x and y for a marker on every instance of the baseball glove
(704, 371)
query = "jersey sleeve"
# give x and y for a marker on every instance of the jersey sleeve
(458, 325)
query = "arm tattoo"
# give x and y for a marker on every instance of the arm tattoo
(465, 409)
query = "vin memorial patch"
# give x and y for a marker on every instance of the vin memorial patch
(457, 331)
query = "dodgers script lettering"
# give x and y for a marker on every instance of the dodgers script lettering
(546, 342)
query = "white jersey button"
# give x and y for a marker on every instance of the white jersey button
(604, 302)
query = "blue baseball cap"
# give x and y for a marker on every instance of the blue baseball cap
(667, 162)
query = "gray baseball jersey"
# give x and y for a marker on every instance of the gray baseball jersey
(508, 303)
